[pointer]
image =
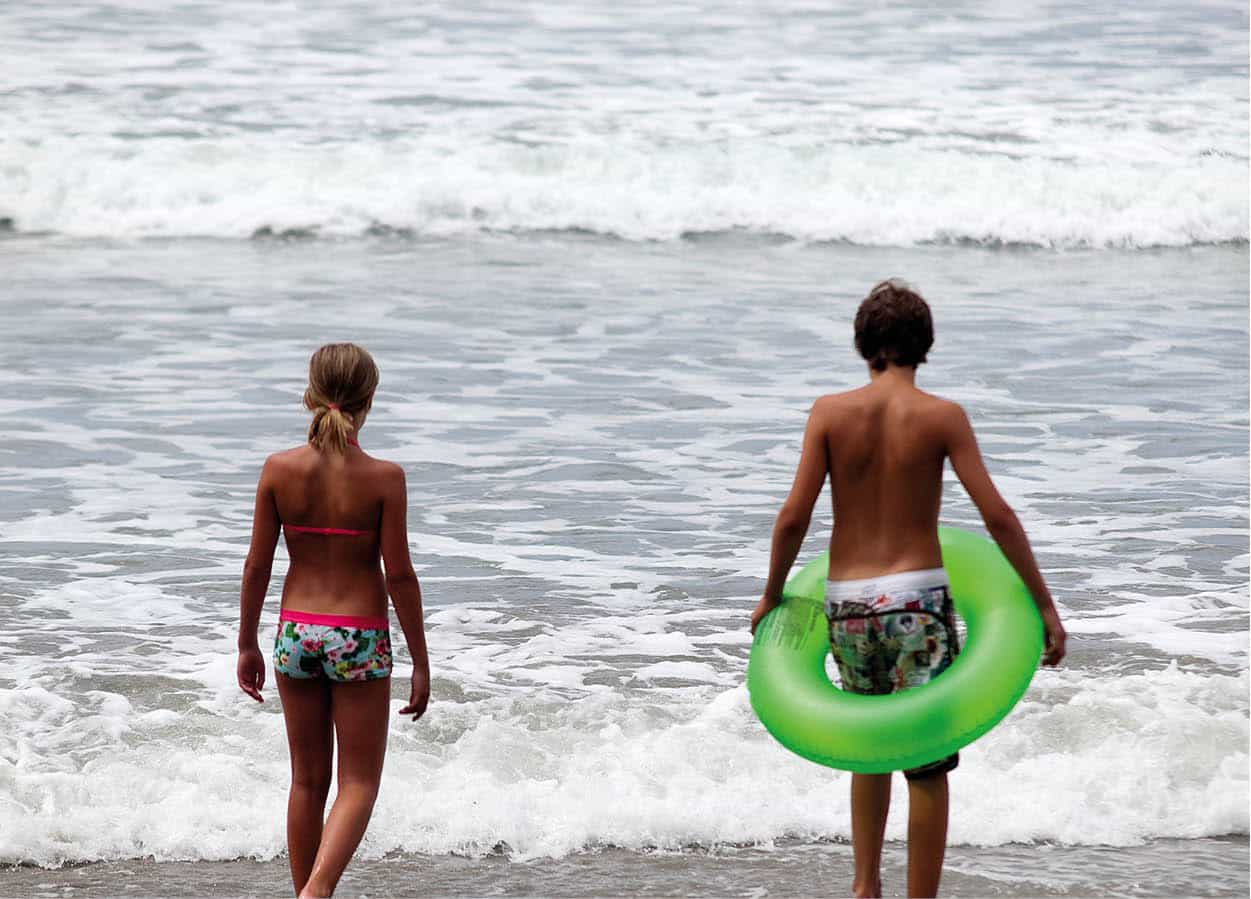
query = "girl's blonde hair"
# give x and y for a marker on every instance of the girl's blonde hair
(342, 378)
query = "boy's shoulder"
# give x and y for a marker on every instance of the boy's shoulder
(843, 399)
(940, 405)
(831, 406)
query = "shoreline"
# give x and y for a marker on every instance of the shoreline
(1209, 866)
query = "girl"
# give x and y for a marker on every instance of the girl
(341, 510)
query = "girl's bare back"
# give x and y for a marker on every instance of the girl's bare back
(331, 508)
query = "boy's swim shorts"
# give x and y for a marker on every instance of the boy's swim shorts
(892, 632)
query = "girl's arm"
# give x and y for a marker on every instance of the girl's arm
(250, 670)
(404, 589)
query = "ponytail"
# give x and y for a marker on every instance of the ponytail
(330, 428)
(342, 378)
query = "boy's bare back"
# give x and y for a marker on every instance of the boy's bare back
(885, 445)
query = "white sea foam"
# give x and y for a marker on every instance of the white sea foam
(867, 195)
(1097, 759)
(1083, 127)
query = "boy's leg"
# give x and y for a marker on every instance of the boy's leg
(928, 643)
(870, 801)
(864, 667)
(927, 832)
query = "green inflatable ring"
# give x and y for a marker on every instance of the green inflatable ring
(794, 699)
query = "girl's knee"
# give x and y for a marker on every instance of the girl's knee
(314, 781)
(361, 787)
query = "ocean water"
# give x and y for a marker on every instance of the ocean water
(606, 257)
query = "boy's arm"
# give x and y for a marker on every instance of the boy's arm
(250, 670)
(1003, 526)
(792, 522)
(404, 588)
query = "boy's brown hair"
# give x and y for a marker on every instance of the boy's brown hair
(893, 325)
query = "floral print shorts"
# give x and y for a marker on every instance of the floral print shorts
(338, 647)
(893, 632)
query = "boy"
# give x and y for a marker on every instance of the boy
(883, 447)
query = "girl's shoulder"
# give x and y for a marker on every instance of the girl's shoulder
(306, 458)
(291, 456)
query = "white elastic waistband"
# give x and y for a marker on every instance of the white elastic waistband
(862, 588)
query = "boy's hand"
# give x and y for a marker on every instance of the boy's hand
(763, 608)
(1054, 637)
(419, 695)
(250, 672)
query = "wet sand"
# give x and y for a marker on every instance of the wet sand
(1205, 867)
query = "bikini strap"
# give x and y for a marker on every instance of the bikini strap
(329, 532)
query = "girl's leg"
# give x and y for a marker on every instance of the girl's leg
(310, 737)
(870, 801)
(361, 711)
(927, 833)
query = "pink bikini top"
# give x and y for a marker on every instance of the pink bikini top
(329, 532)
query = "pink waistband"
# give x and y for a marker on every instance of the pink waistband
(333, 532)
(363, 622)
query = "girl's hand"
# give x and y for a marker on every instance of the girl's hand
(418, 696)
(251, 672)
(763, 608)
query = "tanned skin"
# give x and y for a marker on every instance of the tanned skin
(338, 575)
(883, 447)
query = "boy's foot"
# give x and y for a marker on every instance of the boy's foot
(873, 890)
